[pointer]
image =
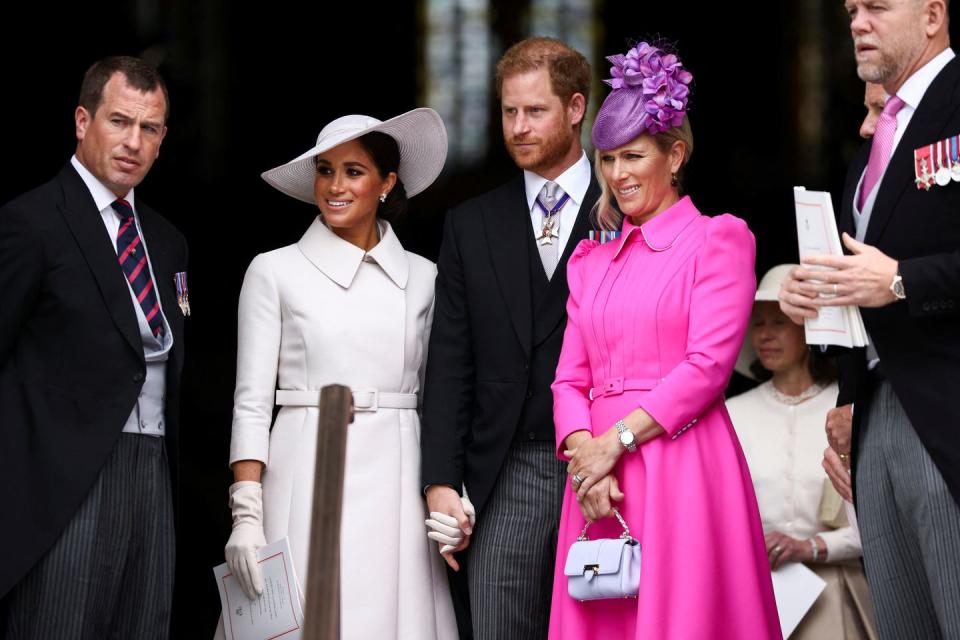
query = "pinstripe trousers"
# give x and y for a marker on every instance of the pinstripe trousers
(512, 554)
(910, 528)
(110, 574)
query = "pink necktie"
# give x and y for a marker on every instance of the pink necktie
(882, 145)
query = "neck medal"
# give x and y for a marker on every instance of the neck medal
(551, 220)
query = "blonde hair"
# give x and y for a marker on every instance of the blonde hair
(605, 213)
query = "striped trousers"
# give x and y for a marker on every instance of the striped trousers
(910, 528)
(110, 574)
(512, 554)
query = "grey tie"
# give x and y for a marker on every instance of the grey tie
(549, 253)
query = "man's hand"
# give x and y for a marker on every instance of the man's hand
(443, 500)
(839, 473)
(795, 303)
(839, 428)
(862, 279)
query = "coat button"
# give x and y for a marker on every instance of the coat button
(138, 377)
(529, 394)
(531, 436)
(925, 306)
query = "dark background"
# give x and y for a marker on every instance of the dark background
(776, 103)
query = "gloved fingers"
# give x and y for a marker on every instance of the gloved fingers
(256, 575)
(243, 577)
(442, 539)
(469, 509)
(447, 548)
(449, 530)
(443, 518)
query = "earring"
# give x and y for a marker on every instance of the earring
(673, 180)
(383, 197)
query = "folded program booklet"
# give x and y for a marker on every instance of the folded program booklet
(817, 235)
(277, 612)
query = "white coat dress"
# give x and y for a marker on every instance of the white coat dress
(321, 312)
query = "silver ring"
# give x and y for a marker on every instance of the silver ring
(576, 478)
(777, 550)
(836, 289)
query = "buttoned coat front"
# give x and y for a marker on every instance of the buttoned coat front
(656, 320)
(324, 312)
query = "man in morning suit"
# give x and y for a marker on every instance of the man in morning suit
(497, 331)
(91, 348)
(902, 227)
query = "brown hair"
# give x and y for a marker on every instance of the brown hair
(569, 70)
(139, 75)
(605, 211)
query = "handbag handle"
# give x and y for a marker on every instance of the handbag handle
(623, 523)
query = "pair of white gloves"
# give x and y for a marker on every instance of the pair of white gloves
(246, 505)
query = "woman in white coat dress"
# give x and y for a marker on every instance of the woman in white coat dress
(346, 304)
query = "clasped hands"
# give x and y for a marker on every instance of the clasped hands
(451, 521)
(591, 461)
(836, 457)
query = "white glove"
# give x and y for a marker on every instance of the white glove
(246, 502)
(446, 530)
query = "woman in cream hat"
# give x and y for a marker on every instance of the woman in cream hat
(347, 305)
(780, 425)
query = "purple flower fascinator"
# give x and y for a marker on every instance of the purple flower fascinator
(650, 93)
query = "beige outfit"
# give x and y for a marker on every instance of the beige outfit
(783, 439)
(322, 312)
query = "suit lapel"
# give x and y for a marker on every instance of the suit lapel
(506, 223)
(83, 219)
(926, 126)
(554, 305)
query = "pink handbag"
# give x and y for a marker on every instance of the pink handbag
(604, 568)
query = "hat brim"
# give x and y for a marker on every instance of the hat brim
(421, 138)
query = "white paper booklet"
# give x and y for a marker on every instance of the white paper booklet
(795, 588)
(276, 613)
(817, 235)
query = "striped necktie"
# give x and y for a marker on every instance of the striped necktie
(133, 262)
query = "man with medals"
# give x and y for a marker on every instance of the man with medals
(498, 326)
(899, 218)
(91, 350)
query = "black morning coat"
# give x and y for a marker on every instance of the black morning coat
(918, 339)
(71, 357)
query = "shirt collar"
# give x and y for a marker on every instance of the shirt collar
(661, 232)
(102, 196)
(911, 92)
(339, 260)
(574, 181)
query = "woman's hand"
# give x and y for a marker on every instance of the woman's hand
(782, 549)
(592, 460)
(597, 503)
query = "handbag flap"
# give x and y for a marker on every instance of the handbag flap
(602, 556)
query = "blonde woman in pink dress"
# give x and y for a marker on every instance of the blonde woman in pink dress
(656, 319)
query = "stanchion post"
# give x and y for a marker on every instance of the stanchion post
(322, 614)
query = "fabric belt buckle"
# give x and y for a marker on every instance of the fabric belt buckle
(374, 404)
(613, 386)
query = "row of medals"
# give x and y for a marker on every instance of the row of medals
(942, 173)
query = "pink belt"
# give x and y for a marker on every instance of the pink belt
(616, 386)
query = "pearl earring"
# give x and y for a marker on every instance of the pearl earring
(383, 197)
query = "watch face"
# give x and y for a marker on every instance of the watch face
(897, 288)
(626, 438)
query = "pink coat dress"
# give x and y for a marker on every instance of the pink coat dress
(656, 319)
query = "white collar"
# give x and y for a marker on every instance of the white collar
(102, 196)
(574, 181)
(339, 260)
(911, 92)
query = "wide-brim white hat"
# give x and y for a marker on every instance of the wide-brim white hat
(767, 291)
(420, 135)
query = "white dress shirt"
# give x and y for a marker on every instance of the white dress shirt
(784, 444)
(574, 181)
